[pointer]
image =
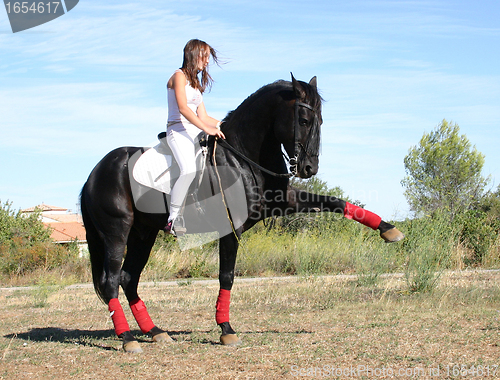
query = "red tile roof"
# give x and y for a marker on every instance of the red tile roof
(67, 232)
(43, 207)
(63, 218)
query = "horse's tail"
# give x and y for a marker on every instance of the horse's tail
(96, 247)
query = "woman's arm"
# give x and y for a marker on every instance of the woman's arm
(202, 114)
(179, 85)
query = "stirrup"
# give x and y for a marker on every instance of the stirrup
(176, 227)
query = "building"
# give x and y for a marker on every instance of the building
(66, 226)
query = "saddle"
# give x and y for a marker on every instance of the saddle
(153, 172)
(157, 169)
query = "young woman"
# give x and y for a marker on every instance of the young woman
(187, 117)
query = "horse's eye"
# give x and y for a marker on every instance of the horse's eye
(302, 122)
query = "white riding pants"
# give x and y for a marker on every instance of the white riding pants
(182, 144)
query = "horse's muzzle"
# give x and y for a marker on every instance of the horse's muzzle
(308, 167)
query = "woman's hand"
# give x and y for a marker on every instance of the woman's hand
(212, 131)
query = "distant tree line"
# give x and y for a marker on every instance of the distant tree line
(453, 210)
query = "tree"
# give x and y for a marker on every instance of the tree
(443, 172)
(18, 226)
(490, 204)
(317, 186)
(25, 243)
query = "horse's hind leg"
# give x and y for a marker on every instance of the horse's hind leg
(138, 251)
(106, 257)
(115, 248)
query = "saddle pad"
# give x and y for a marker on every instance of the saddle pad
(154, 169)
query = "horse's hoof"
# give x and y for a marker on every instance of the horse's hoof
(132, 347)
(393, 235)
(162, 338)
(230, 340)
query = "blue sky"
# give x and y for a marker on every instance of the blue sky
(94, 79)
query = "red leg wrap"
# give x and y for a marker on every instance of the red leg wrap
(362, 216)
(141, 315)
(222, 306)
(118, 316)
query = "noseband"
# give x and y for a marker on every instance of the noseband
(298, 145)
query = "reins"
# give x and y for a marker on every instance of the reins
(298, 146)
(226, 145)
(222, 190)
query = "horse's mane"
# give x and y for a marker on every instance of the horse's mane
(284, 89)
(312, 96)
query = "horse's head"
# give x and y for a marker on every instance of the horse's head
(299, 126)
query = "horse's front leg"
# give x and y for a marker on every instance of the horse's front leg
(302, 201)
(228, 247)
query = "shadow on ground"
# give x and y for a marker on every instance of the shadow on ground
(106, 339)
(69, 336)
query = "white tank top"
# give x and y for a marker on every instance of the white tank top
(175, 118)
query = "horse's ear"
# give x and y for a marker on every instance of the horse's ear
(314, 82)
(297, 88)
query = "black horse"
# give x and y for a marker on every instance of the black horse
(280, 114)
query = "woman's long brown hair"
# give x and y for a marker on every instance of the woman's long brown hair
(192, 52)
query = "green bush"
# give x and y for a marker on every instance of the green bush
(25, 244)
(19, 258)
(427, 247)
(27, 227)
(478, 233)
(332, 246)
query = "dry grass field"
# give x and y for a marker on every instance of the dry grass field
(307, 328)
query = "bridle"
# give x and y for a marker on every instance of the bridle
(298, 147)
